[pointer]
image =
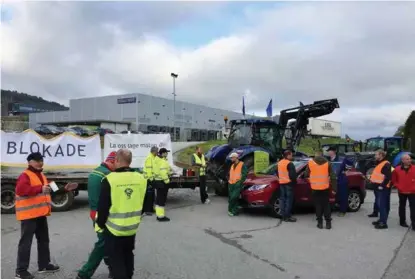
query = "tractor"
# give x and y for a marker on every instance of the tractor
(247, 136)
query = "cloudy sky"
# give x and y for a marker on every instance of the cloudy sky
(361, 53)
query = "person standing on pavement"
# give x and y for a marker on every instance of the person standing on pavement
(322, 180)
(342, 194)
(119, 214)
(381, 180)
(94, 189)
(33, 205)
(287, 176)
(403, 178)
(199, 163)
(237, 176)
(149, 175)
(162, 171)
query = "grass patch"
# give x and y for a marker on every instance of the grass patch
(308, 146)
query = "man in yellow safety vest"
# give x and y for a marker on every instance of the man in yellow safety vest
(199, 163)
(148, 208)
(162, 172)
(119, 214)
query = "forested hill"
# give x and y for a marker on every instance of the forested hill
(8, 96)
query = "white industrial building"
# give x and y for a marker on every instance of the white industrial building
(141, 112)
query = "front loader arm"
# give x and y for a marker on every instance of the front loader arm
(296, 131)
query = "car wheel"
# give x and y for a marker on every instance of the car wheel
(354, 201)
(62, 201)
(274, 204)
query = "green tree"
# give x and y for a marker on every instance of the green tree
(400, 131)
(409, 131)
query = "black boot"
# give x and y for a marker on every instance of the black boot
(381, 226)
(373, 215)
(375, 223)
(404, 224)
(320, 224)
(328, 224)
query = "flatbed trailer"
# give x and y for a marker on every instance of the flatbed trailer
(62, 200)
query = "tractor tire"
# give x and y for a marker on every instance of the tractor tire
(354, 201)
(222, 190)
(62, 201)
(8, 198)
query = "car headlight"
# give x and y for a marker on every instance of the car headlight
(257, 187)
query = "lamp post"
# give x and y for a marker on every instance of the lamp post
(174, 76)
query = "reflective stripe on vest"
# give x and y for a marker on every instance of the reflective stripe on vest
(127, 196)
(283, 174)
(319, 175)
(148, 167)
(235, 173)
(377, 176)
(29, 207)
(201, 161)
(162, 170)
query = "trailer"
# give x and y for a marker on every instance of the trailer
(62, 200)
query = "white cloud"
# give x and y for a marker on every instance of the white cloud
(361, 53)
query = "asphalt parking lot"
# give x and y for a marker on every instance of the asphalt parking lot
(202, 242)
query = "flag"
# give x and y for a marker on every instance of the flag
(243, 105)
(269, 109)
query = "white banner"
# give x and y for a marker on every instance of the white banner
(138, 144)
(63, 151)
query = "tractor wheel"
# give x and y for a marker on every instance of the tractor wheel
(62, 201)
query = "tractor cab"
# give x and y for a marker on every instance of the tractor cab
(392, 145)
(255, 132)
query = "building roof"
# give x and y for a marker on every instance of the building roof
(84, 122)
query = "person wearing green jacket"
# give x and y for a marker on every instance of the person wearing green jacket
(237, 176)
(94, 190)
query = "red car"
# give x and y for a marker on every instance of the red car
(262, 190)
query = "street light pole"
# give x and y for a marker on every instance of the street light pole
(174, 76)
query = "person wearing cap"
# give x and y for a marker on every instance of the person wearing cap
(287, 176)
(33, 205)
(237, 176)
(162, 172)
(94, 189)
(148, 208)
(333, 157)
(199, 163)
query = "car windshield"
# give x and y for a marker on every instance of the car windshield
(271, 170)
(374, 144)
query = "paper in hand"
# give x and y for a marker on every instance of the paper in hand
(53, 186)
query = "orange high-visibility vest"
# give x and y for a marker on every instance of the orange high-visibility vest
(235, 173)
(29, 207)
(282, 168)
(377, 176)
(319, 175)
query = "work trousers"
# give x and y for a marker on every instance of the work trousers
(202, 186)
(376, 203)
(233, 198)
(95, 258)
(119, 250)
(342, 193)
(402, 207)
(161, 197)
(322, 204)
(148, 205)
(286, 199)
(384, 200)
(39, 227)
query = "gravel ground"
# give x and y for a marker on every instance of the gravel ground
(202, 242)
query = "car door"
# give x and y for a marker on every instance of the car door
(302, 191)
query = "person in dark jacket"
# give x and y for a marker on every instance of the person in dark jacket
(403, 178)
(287, 176)
(94, 189)
(321, 183)
(381, 181)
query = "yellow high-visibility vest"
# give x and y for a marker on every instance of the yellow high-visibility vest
(162, 170)
(202, 161)
(149, 167)
(127, 197)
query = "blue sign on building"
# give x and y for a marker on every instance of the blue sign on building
(129, 100)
